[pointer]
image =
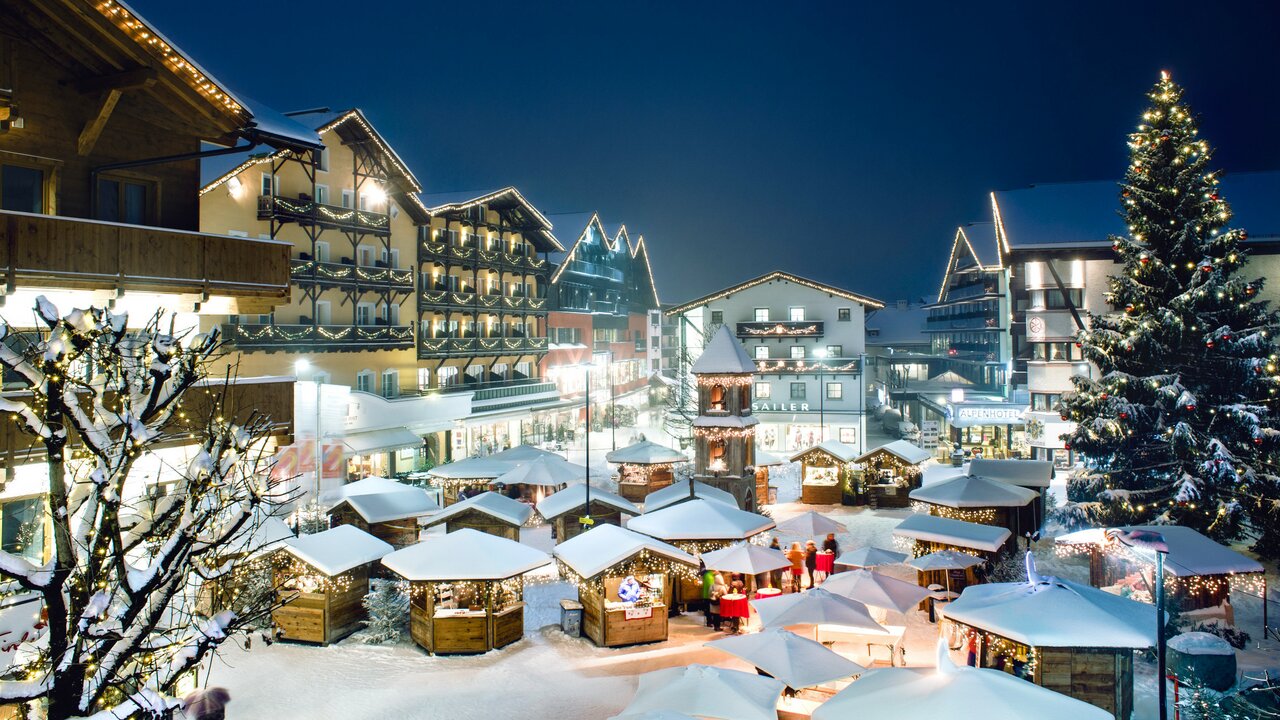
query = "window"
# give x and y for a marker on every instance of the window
(424, 378)
(797, 391)
(717, 317)
(1055, 352)
(1053, 299)
(324, 312)
(835, 351)
(364, 313)
(1045, 402)
(364, 255)
(22, 528)
(764, 390)
(21, 189)
(655, 318)
(762, 352)
(797, 352)
(126, 201)
(348, 197)
(715, 451)
(390, 383)
(762, 314)
(447, 376)
(322, 194)
(716, 399)
(655, 342)
(835, 391)
(364, 381)
(843, 314)
(322, 160)
(655, 365)
(270, 184)
(797, 314)
(322, 251)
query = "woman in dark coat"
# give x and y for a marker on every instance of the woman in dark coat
(810, 560)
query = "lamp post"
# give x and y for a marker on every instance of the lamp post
(821, 354)
(1154, 542)
(301, 366)
(586, 520)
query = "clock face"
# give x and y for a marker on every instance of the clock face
(1035, 326)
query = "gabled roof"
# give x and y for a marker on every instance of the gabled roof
(604, 546)
(579, 226)
(776, 275)
(723, 355)
(465, 554)
(678, 492)
(833, 448)
(1190, 553)
(574, 498)
(1026, 473)
(379, 500)
(509, 196)
(646, 452)
(700, 520)
(905, 451)
(946, 531)
(640, 249)
(337, 550)
(489, 503)
(976, 242)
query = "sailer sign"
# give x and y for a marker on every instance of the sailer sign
(779, 407)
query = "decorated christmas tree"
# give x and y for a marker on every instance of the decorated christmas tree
(1178, 425)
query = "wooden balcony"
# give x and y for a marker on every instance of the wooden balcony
(826, 366)
(470, 255)
(781, 329)
(429, 299)
(346, 275)
(447, 347)
(309, 212)
(331, 338)
(72, 253)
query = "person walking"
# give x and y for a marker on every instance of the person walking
(775, 576)
(708, 584)
(719, 590)
(811, 560)
(830, 545)
(796, 556)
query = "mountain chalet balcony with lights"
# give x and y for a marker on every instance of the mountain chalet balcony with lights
(307, 337)
(781, 329)
(305, 211)
(434, 347)
(495, 302)
(811, 366)
(470, 255)
(306, 271)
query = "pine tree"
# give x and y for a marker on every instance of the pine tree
(1178, 425)
(388, 607)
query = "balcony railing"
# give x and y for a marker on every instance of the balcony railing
(826, 366)
(308, 212)
(64, 252)
(328, 337)
(348, 275)
(781, 329)
(470, 254)
(470, 300)
(964, 321)
(435, 347)
(582, 267)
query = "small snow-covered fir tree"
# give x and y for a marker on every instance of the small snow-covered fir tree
(1178, 426)
(388, 608)
(122, 591)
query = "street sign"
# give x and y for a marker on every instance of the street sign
(586, 520)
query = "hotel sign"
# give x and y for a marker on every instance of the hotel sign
(779, 407)
(994, 414)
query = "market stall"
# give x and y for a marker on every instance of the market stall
(891, 471)
(624, 583)
(926, 534)
(321, 580)
(487, 512)
(976, 499)
(825, 469)
(466, 590)
(763, 461)
(565, 509)
(386, 509)
(644, 467)
(679, 492)
(243, 562)
(1034, 475)
(1063, 636)
(533, 480)
(470, 475)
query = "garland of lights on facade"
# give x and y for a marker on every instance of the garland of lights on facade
(780, 330)
(341, 271)
(776, 275)
(715, 434)
(311, 208)
(801, 366)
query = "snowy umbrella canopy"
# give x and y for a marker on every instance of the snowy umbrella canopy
(973, 491)
(814, 607)
(929, 694)
(876, 590)
(810, 524)
(871, 556)
(799, 662)
(945, 560)
(547, 470)
(747, 558)
(655, 715)
(646, 452)
(700, 520)
(708, 692)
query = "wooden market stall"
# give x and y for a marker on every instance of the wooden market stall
(466, 591)
(976, 499)
(322, 580)
(488, 512)
(1031, 474)
(244, 561)
(697, 526)
(889, 472)
(467, 476)
(384, 508)
(534, 480)
(644, 467)
(825, 468)
(624, 582)
(1066, 637)
(930, 533)
(763, 461)
(680, 491)
(565, 509)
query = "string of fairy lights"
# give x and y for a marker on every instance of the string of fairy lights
(294, 333)
(781, 330)
(982, 516)
(341, 271)
(1253, 583)
(447, 297)
(771, 277)
(642, 563)
(1014, 657)
(350, 216)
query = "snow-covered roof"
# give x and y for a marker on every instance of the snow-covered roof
(489, 503)
(465, 555)
(724, 355)
(700, 520)
(946, 531)
(380, 500)
(646, 452)
(1055, 613)
(834, 448)
(337, 550)
(726, 421)
(973, 491)
(679, 492)
(575, 497)
(779, 276)
(764, 458)
(507, 197)
(903, 450)
(1026, 473)
(604, 546)
(481, 468)
(545, 471)
(1190, 553)
(707, 692)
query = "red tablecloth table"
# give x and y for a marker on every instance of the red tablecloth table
(734, 605)
(826, 562)
(766, 593)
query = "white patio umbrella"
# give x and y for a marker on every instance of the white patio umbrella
(945, 560)
(546, 470)
(708, 692)
(747, 558)
(810, 524)
(870, 556)
(814, 607)
(655, 715)
(799, 662)
(876, 590)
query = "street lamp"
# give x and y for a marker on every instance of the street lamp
(301, 366)
(1155, 543)
(821, 354)
(586, 520)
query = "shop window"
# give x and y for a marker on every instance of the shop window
(21, 189)
(797, 391)
(22, 528)
(764, 390)
(762, 352)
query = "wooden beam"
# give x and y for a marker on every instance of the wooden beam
(139, 77)
(93, 129)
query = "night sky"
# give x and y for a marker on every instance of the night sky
(843, 141)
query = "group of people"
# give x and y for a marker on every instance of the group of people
(804, 561)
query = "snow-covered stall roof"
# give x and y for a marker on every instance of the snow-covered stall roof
(729, 421)
(466, 554)
(765, 459)
(973, 491)
(522, 453)
(380, 500)
(946, 531)
(337, 550)
(1190, 553)
(679, 492)
(482, 468)
(700, 520)
(1025, 473)
(903, 450)
(545, 471)
(724, 355)
(646, 452)
(1055, 613)
(604, 546)
(834, 448)
(575, 497)
(490, 503)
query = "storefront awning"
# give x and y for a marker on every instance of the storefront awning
(363, 443)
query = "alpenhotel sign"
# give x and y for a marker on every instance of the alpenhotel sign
(994, 414)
